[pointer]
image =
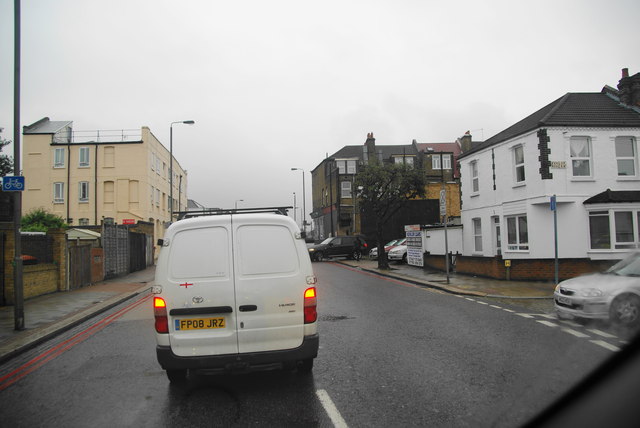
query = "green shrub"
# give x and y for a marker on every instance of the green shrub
(40, 220)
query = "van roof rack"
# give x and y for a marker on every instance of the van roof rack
(221, 211)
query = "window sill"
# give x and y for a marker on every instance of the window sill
(630, 178)
(474, 195)
(586, 179)
(519, 185)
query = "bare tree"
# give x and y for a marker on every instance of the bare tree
(383, 190)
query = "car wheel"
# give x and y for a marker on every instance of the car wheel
(404, 258)
(177, 376)
(305, 366)
(625, 310)
(356, 255)
(319, 256)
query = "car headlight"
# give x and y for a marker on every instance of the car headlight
(311, 250)
(590, 292)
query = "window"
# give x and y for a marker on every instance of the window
(58, 193)
(345, 189)
(580, 152)
(403, 160)
(477, 234)
(446, 161)
(626, 156)
(517, 234)
(346, 166)
(518, 163)
(83, 221)
(612, 229)
(109, 157)
(83, 191)
(157, 197)
(435, 162)
(475, 185)
(84, 157)
(153, 161)
(109, 192)
(58, 157)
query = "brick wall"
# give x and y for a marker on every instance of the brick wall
(37, 279)
(534, 270)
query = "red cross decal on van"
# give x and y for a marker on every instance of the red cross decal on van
(186, 284)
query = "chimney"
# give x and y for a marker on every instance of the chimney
(629, 88)
(371, 146)
(465, 142)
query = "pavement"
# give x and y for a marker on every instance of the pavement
(49, 315)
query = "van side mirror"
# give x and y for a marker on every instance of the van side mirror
(160, 242)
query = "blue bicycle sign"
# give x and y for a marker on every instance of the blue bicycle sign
(13, 184)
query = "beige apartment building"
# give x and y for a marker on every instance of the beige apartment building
(92, 177)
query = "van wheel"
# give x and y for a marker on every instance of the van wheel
(177, 376)
(305, 366)
(319, 256)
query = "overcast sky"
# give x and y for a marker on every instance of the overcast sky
(277, 84)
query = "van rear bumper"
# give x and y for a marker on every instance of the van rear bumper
(170, 361)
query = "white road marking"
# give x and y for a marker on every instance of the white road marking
(331, 409)
(601, 333)
(497, 307)
(482, 303)
(605, 345)
(471, 300)
(547, 323)
(571, 323)
(508, 310)
(524, 315)
(574, 332)
(547, 316)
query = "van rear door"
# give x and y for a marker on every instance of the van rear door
(269, 283)
(200, 288)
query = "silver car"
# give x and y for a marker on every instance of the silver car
(612, 295)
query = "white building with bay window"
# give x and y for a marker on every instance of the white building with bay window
(582, 148)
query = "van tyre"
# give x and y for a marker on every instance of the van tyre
(177, 377)
(305, 366)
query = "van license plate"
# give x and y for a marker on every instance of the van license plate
(199, 323)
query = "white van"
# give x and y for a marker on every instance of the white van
(234, 292)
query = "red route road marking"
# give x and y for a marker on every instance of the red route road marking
(37, 362)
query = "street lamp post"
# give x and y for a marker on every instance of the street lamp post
(187, 122)
(304, 205)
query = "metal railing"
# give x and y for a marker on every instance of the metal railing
(101, 136)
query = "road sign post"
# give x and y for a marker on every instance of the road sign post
(553, 207)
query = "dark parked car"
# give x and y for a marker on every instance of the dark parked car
(339, 246)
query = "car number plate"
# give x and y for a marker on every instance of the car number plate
(200, 323)
(564, 300)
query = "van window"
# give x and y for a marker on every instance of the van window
(200, 253)
(266, 249)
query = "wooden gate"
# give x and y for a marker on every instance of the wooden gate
(137, 251)
(79, 266)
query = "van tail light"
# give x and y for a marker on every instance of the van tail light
(160, 314)
(310, 304)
